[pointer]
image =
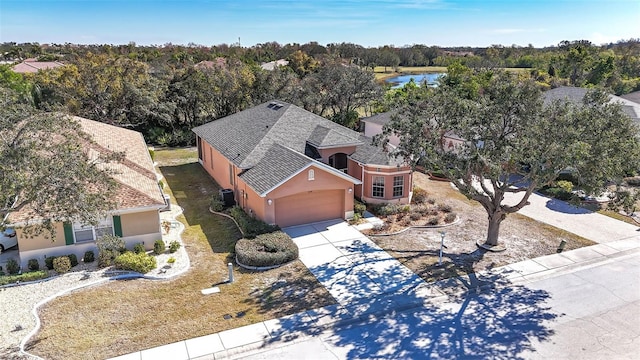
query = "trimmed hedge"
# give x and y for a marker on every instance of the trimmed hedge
(89, 257)
(62, 264)
(271, 249)
(251, 227)
(131, 261)
(29, 276)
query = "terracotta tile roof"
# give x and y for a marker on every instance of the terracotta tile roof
(31, 66)
(135, 172)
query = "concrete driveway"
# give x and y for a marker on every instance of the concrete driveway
(358, 274)
(590, 225)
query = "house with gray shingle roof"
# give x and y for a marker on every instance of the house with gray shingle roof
(288, 166)
(139, 199)
(576, 95)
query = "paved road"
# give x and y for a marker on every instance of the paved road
(586, 313)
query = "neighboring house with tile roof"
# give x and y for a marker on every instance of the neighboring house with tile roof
(33, 66)
(288, 166)
(139, 199)
(208, 64)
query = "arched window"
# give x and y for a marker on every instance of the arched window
(312, 175)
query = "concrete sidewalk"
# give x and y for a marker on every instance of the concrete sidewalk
(409, 305)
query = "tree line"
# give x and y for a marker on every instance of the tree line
(164, 91)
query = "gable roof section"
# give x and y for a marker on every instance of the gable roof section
(279, 165)
(136, 174)
(576, 94)
(634, 96)
(32, 66)
(368, 153)
(245, 137)
(380, 119)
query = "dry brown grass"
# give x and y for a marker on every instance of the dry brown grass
(524, 238)
(126, 316)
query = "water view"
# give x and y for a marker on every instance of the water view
(400, 81)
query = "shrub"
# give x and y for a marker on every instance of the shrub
(271, 249)
(109, 247)
(388, 209)
(159, 247)
(558, 193)
(251, 227)
(61, 264)
(48, 262)
(415, 216)
(565, 185)
(105, 257)
(433, 221)
(33, 265)
(419, 195)
(131, 261)
(28, 276)
(359, 208)
(88, 257)
(138, 248)
(431, 201)
(171, 260)
(73, 259)
(174, 246)
(355, 219)
(12, 266)
(450, 217)
(216, 203)
(445, 208)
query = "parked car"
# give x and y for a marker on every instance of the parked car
(8, 239)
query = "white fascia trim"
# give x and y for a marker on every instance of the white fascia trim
(136, 210)
(319, 165)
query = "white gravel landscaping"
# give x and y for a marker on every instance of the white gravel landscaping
(17, 303)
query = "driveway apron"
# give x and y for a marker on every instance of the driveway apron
(354, 269)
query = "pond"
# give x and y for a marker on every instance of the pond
(401, 80)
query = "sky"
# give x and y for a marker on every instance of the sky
(369, 23)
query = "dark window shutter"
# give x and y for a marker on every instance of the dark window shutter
(117, 225)
(68, 233)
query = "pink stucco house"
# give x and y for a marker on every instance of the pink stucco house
(288, 166)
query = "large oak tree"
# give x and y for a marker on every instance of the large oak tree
(513, 141)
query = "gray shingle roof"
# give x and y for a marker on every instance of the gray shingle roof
(367, 153)
(245, 137)
(576, 94)
(634, 96)
(380, 119)
(278, 164)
